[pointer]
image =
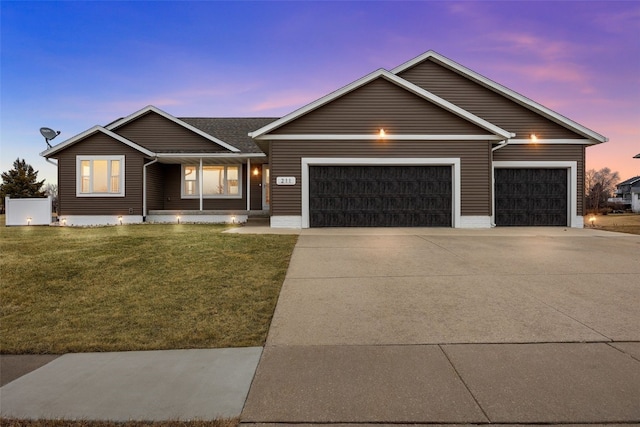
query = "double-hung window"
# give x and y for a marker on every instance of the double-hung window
(100, 176)
(218, 181)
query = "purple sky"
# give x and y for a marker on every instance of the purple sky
(72, 65)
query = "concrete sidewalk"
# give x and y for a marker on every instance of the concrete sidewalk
(137, 385)
(454, 326)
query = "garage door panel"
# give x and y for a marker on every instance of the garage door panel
(380, 196)
(531, 197)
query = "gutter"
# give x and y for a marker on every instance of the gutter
(144, 189)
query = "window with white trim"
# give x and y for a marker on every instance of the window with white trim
(218, 181)
(100, 176)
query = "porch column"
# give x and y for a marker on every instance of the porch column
(200, 184)
(248, 184)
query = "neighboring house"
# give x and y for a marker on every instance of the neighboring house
(429, 143)
(626, 192)
(635, 193)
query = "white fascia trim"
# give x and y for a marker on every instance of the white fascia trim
(399, 82)
(168, 116)
(523, 100)
(90, 132)
(211, 155)
(370, 137)
(454, 162)
(575, 221)
(554, 141)
(316, 104)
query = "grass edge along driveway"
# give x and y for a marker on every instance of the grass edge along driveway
(137, 287)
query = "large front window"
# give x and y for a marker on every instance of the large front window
(100, 176)
(217, 181)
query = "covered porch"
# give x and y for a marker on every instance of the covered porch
(206, 188)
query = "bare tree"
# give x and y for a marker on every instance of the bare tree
(599, 186)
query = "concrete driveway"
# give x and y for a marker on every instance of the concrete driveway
(454, 326)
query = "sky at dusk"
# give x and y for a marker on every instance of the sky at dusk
(72, 65)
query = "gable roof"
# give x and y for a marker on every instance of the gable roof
(630, 181)
(96, 129)
(150, 108)
(382, 73)
(503, 90)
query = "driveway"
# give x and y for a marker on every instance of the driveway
(437, 325)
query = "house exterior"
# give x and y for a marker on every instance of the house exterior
(428, 143)
(628, 194)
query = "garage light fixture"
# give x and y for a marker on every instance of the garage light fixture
(534, 138)
(382, 133)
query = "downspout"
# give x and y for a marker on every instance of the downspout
(56, 165)
(200, 184)
(502, 144)
(248, 184)
(144, 189)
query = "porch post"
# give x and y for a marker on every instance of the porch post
(200, 184)
(248, 184)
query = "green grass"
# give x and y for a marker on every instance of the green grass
(622, 223)
(137, 287)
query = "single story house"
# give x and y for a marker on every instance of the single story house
(428, 143)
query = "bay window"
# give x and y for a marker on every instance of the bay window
(218, 181)
(100, 176)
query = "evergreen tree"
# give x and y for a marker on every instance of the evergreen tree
(21, 182)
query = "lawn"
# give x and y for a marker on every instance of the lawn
(622, 223)
(137, 287)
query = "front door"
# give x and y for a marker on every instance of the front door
(266, 194)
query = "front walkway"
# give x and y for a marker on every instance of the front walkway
(454, 326)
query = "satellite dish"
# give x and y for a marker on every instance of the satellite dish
(49, 134)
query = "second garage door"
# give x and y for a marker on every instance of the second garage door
(526, 197)
(380, 196)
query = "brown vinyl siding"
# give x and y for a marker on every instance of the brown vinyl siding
(158, 134)
(99, 145)
(381, 104)
(475, 166)
(484, 102)
(155, 186)
(173, 199)
(546, 153)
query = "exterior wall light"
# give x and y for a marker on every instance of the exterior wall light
(534, 138)
(382, 133)
(256, 172)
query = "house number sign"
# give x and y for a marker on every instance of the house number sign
(286, 180)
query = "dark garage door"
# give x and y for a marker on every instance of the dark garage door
(526, 197)
(380, 196)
